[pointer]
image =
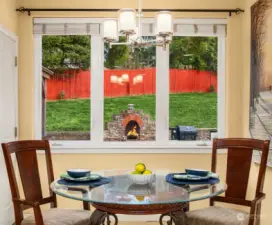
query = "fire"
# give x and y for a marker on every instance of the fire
(133, 132)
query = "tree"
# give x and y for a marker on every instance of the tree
(198, 53)
(124, 57)
(73, 52)
(66, 52)
(116, 56)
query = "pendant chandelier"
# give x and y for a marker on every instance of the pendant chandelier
(127, 26)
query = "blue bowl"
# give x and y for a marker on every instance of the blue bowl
(197, 172)
(78, 173)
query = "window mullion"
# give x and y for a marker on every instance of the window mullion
(97, 89)
(162, 94)
(38, 86)
(221, 59)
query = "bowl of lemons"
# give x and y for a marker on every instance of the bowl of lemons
(141, 175)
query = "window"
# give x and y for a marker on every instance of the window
(193, 88)
(129, 93)
(92, 96)
(66, 87)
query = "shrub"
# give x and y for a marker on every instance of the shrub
(211, 88)
(62, 95)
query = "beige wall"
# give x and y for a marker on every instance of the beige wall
(237, 89)
(8, 16)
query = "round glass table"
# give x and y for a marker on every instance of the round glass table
(121, 196)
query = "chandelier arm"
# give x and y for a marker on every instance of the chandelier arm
(119, 43)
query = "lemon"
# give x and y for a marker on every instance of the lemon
(147, 172)
(140, 167)
(135, 172)
(140, 198)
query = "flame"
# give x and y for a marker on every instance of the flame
(133, 132)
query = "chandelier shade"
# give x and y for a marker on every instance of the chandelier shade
(138, 79)
(110, 32)
(120, 80)
(127, 21)
(164, 24)
(125, 77)
(131, 28)
(114, 79)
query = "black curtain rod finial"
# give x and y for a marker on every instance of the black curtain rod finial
(238, 11)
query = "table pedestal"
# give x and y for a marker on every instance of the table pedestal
(105, 214)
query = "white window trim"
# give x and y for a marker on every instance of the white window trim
(162, 144)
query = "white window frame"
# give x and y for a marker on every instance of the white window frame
(162, 144)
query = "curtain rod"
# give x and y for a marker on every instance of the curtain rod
(29, 10)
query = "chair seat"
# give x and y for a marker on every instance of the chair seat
(217, 216)
(61, 217)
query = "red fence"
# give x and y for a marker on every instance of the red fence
(77, 85)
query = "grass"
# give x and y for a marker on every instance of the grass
(190, 109)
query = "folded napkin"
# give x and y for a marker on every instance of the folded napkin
(96, 183)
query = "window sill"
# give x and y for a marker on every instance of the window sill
(131, 147)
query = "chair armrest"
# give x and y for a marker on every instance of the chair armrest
(255, 210)
(258, 199)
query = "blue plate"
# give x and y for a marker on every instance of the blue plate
(90, 177)
(197, 172)
(170, 179)
(185, 176)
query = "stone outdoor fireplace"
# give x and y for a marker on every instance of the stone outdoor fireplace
(130, 124)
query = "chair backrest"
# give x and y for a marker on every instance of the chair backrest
(25, 152)
(239, 162)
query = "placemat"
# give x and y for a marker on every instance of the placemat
(169, 178)
(103, 180)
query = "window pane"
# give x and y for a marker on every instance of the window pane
(193, 88)
(129, 90)
(66, 87)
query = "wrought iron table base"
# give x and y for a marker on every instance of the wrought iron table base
(177, 218)
(104, 218)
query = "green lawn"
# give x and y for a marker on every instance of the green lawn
(190, 109)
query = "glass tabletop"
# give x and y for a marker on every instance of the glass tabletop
(121, 190)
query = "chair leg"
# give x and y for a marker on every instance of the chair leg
(38, 215)
(18, 214)
(86, 206)
(258, 214)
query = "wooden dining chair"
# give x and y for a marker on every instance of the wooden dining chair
(239, 162)
(25, 153)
